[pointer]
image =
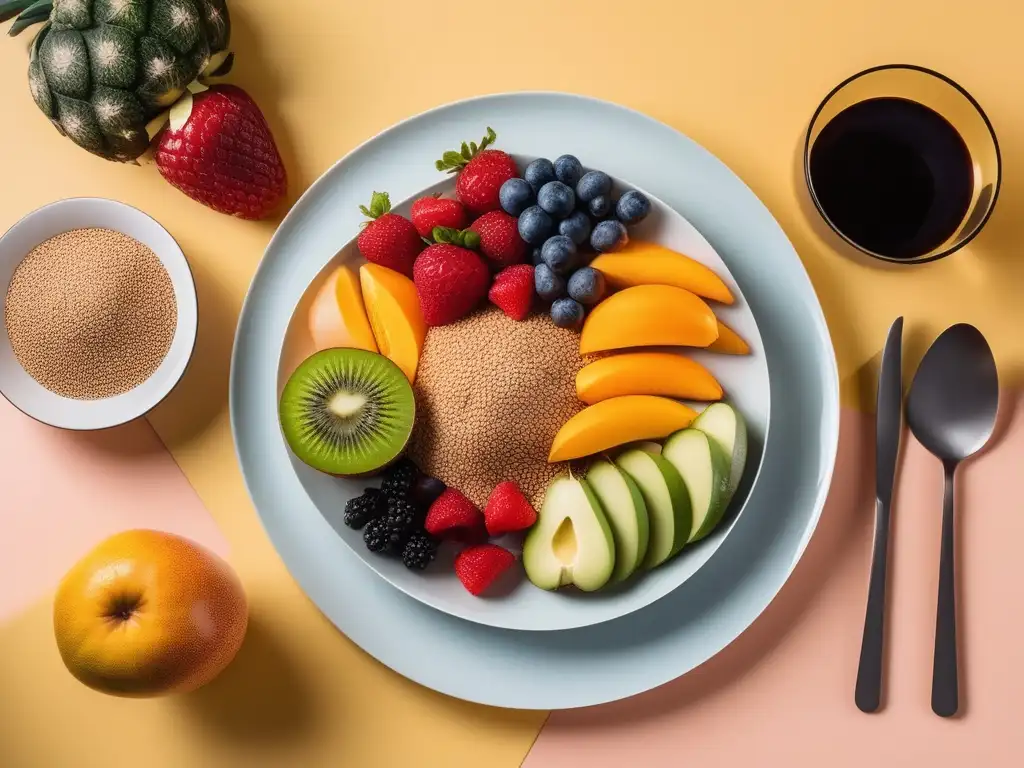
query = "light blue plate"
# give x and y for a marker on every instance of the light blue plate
(626, 656)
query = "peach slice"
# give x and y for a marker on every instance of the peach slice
(337, 317)
(617, 421)
(728, 342)
(395, 316)
(649, 316)
(642, 263)
(646, 373)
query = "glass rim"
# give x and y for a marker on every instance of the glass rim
(973, 102)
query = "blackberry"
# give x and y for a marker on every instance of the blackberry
(401, 520)
(419, 551)
(364, 508)
(399, 479)
(376, 535)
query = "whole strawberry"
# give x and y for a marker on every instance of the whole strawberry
(513, 291)
(500, 242)
(450, 278)
(223, 155)
(481, 172)
(478, 567)
(433, 211)
(388, 239)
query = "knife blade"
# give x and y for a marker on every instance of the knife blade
(889, 413)
(888, 427)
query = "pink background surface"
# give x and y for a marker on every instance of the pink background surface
(63, 492)
(784, 690)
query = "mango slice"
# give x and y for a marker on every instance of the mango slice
(617, 421)
(646, 373)
(642, 263)
(649, 316)
(394, 311)
(337, 317)
(728, 342)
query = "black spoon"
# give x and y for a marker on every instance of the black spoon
(951, 410)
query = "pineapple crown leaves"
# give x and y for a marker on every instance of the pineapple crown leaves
(380, 203)
(28, 12)
(453, 162)
(464, 238)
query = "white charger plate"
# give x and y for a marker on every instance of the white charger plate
(619, 658)
(520, 605)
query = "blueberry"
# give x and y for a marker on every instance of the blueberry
(576, 227)
(535, 225)
(557, 199)
(537, 258)
(559, 253)
(548, 285)
(609, 236)
(426, 490)
(600, 206)
(568, 170)
(539, 172)
(516, 196)
(592, 184)
(587, 286)
(567, 313)
(632, 207)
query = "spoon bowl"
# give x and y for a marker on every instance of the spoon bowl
(954, 397)
(951, 410)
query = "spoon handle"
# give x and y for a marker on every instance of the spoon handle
(945, 688)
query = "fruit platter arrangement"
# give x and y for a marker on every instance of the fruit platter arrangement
(510, 377)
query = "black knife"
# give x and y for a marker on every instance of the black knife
(888, 426)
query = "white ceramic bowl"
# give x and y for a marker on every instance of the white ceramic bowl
(523, 606)
(24, 392)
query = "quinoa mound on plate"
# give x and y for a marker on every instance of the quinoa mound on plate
(490, 395)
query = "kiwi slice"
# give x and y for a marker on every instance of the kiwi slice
(347, 411)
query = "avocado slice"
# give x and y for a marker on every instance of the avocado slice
(571, 542)
(724, 424)
(626, 512)
(704, 468)
(668, 505)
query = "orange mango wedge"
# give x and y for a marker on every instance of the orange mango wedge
(394, 312)
(649, 316)
(337, 317)
(728, 342)
(643, 263)
(617, 421)
(646, 373)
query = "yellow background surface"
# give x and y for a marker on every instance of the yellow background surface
(741, 78)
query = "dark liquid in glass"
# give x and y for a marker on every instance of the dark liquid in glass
(893, 176)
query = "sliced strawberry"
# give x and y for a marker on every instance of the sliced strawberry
(513, 291)
(507, 510)
(452, 513)
(478, 567)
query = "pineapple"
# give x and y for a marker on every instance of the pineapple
(101, 70)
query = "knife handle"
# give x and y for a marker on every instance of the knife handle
(868, 693)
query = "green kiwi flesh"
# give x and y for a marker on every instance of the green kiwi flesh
(347, 412)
